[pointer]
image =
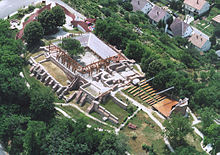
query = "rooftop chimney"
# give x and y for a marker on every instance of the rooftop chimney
(197, 1)
(138, 2)
(197, 36)
(201, 39)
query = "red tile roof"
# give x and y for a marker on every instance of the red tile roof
(157, 13)
(197, 40)
(216, 18)
(197, 4)
(178, 27)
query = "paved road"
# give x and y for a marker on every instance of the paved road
(8, 7)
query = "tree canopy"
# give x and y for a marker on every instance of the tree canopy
(33, 33)
(72, 46)
(177, 128)
(51, 19)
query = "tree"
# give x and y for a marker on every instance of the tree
(33, 33)
(12, 129)
(42, 107)
(155, 67)
(134, 19)
(217, 30)
(177, 127)
(34, 137)
(213, 40)
(207, 115)
(48, 22)
(212, 136)
(72, 46)
(134, 50)
(181, 41)
(111, 142)
(127, 6)
(59, 15)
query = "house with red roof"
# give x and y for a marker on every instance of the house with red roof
(180, 28)
(158, 14)
(216, 19)
(142, 5)
(196, 7)
(200, 42)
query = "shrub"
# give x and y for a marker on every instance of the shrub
(145, 147)
(134, 135)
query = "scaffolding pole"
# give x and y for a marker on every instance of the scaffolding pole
(163, 91)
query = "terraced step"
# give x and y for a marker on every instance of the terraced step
(128, 87)
(135, 90)
(132, 89)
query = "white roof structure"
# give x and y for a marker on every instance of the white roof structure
(96, 45)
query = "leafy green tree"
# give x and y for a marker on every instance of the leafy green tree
(12, 130)
(48, 22)
(119, 35)
(181, 41)
(33, 33)
(177, 127)
(134, 50)
(155, 67)
(213, 40)
(42, 107)
(207, 115)
(110, 142)
(127, 6)
(207, 96)
(134, 19)
(217, 31)
(212, 136)
(34, 137)
(72, 46)
(59, 15)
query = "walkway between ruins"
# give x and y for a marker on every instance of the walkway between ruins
(75, 106)
(149, 112)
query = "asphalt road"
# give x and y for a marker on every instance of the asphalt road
(9, 6)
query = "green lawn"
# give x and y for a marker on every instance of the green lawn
(205, 25)
(194, 140)
(74, 113)
(122, 98)
(115, 110)
(147, 132)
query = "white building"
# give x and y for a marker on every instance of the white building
(196, 7)
(180, 28)
(199, 42)
(142, 5)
